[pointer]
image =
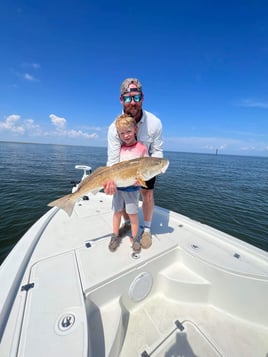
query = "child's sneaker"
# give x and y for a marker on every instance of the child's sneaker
(114, 242)
(136, 245)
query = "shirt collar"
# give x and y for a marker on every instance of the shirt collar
(142, 118)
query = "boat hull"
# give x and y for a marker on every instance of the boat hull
(196, 291)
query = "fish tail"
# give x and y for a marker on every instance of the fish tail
(66, 203)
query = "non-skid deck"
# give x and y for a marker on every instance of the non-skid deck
(164, 327)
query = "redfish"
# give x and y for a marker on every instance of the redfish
(124, 174)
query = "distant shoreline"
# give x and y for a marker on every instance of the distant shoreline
(105, 147)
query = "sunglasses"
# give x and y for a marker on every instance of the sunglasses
(128, 98)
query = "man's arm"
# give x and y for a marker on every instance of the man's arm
(156, 148)
(114, 145)
(113, 151)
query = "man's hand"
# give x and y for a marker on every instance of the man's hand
(109, 187)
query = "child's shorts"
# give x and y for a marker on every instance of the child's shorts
(126, 200)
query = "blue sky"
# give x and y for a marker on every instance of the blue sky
(203, 66)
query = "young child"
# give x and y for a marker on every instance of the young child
(127, 197)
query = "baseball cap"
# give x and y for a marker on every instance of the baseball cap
(124, 86)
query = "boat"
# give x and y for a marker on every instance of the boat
(196, 291)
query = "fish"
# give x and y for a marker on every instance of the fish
(124, 174)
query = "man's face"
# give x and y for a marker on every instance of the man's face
(132, 104)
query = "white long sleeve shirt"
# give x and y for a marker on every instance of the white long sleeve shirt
(149, 133)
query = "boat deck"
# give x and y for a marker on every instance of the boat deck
(204, 331)
(195, 292)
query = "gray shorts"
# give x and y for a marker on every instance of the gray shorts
(126, 200)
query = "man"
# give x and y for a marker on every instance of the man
(150, 134)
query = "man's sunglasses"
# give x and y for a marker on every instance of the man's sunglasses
(128, 98)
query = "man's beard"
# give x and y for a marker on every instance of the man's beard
(134, 111)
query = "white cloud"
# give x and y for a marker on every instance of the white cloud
(60, 124)
(56, 130)
(79, 134)
(11, 124)
(29, 77)
(31, 67)
(57, 121)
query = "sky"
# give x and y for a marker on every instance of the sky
(203, 66)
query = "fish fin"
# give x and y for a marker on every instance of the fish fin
(101, 168)
(91, 176)
(141, 181)
(66, 203)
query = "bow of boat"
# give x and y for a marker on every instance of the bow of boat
(195, 292)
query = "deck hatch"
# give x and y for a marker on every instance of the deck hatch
(186, 339)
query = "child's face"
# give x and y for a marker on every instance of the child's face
(127, 134)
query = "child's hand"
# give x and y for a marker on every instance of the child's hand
(136, 183)
(109, 187)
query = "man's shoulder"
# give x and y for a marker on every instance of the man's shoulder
(151, 118)
(112, 125)
(112, 129)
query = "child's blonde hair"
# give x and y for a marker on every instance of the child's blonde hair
(125, 120)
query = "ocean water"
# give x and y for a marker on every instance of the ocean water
(229, 193)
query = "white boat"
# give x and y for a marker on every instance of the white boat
(196, 292)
